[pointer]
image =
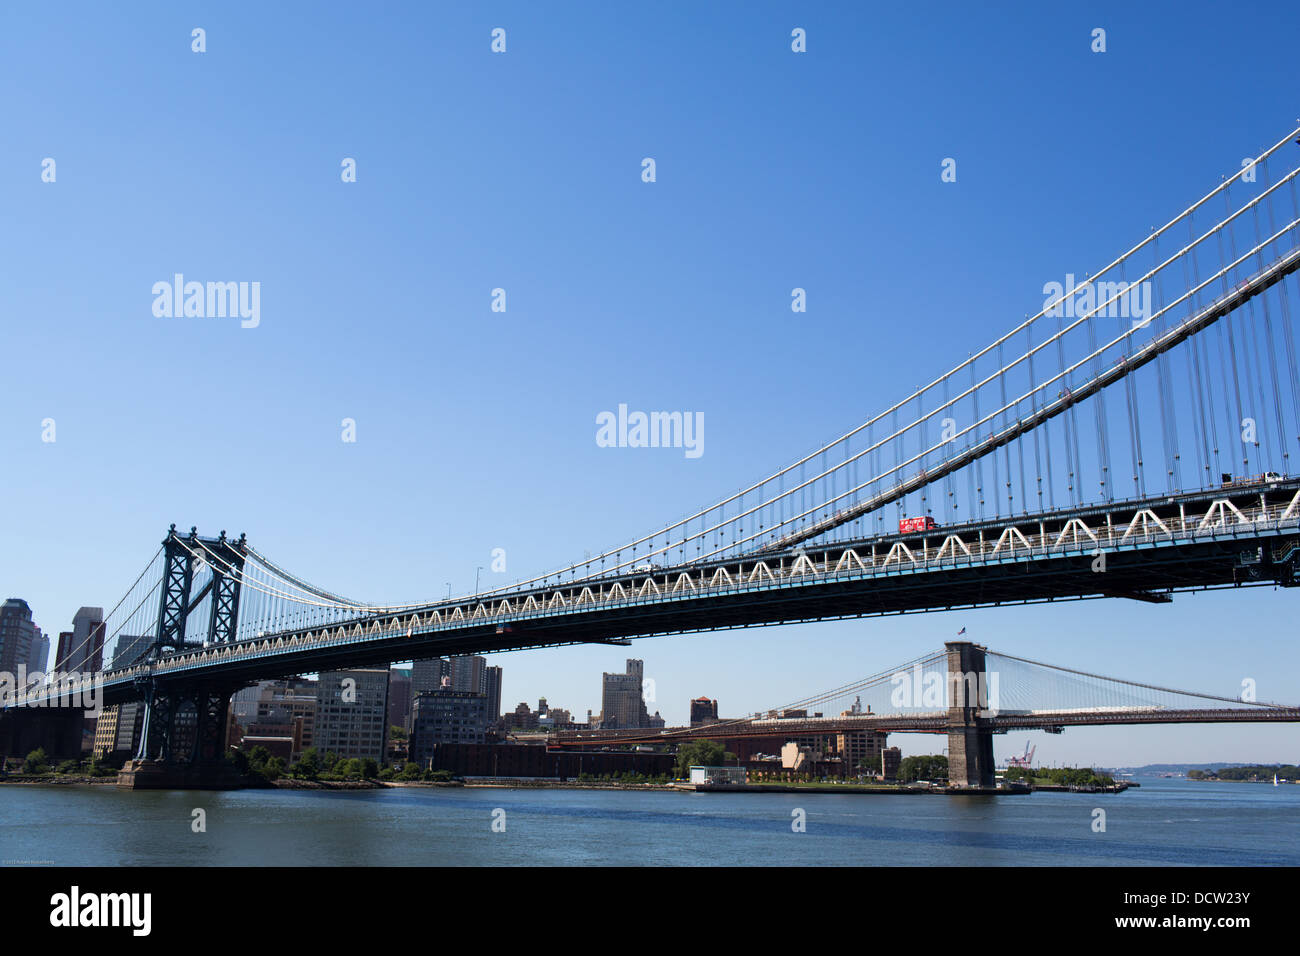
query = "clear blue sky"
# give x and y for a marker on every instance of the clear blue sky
(475, 429)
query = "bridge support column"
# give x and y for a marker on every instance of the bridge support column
(182, 741)
(183, 746)
(970, 742)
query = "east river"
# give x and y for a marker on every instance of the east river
(1165, 822)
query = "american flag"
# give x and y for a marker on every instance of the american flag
(961, 632)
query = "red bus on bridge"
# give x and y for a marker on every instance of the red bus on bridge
(923, 523)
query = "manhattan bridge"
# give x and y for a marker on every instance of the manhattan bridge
(1097, 448)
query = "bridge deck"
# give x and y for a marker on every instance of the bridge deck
(1240, 536)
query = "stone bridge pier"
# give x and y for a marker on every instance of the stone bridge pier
(970, 741)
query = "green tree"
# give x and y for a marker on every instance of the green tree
(308, 765)
(699, 753)
(257, 758)
(37, 762)
(923, 767)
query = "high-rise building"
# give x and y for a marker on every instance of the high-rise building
(62, 648)
(427, 675)
(117, 731)
(399, 699)
(83, 650)
(39, 658)
(622, 705)
(352, 713)
(447, 716)
(16, 634)
(129, 649)
(492, 687)
(703, 711)
(469, 674)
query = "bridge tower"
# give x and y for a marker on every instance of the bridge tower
(182, 739)
(970, 742)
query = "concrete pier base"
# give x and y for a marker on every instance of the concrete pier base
(156, 775)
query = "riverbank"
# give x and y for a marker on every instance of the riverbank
(292, 783)
(835, 788)
(524, 783)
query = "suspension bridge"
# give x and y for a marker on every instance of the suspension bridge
(1130, 440)
(965, 691)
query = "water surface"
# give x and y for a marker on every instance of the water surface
(1166, 822)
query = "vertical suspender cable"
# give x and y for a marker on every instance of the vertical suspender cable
(1243, 323)
(1288, 336)
(1006, 449)
(1103, 437)
(1033, 405)
(979, 462)
(1228, 360)
(1278, 414)
(1070, 424)
(1168, 421)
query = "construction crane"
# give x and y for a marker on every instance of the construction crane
(1025, 760)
